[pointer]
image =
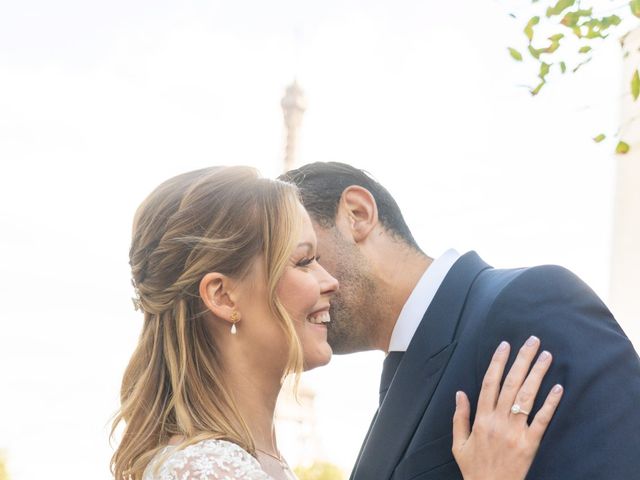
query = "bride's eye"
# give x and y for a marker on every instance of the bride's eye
(305, 262)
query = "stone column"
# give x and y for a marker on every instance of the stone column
(625, 265)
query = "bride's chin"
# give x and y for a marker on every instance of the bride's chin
(319, 359)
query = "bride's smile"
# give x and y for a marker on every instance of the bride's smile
(305, 291)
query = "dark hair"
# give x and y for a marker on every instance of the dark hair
(321, 185)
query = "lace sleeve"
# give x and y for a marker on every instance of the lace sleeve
(206, 460)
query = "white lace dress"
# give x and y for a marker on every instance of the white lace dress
(205, 460)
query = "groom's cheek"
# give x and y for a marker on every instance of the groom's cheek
(326, 259)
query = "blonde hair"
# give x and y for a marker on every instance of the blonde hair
(210, 220)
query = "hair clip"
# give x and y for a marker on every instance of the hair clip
(137, 303)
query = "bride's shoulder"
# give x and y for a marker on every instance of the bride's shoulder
(209, 459)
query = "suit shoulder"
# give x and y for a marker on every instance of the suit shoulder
(497, 285)
(542, 295)
(549, 297)
(549, 282)
(549, 273)
(526, 275)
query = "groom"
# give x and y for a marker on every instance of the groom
(440, 321)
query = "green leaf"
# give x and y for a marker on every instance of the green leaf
(622, 147)
(585, 49)
(555, 43)
(585, 12)
(599, 138)
(515, 54)
(571, 19)
(581, 64)
(552, 48)
(528, 29)
(544, 70)
(563, 67)
(594, 28)
(635, 85)
(560, 7)
(536, 90)
(535, 53)
(611, 20)
(635, 7)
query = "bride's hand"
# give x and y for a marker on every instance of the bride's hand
(502, 445)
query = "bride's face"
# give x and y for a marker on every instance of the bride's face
(305, 290)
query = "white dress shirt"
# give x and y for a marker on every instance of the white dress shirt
(419, 300)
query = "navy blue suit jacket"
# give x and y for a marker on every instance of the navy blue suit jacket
(595, 433)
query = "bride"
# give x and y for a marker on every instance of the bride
(234, 300)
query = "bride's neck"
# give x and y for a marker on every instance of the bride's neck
(256, 393)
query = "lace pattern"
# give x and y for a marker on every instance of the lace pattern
(206, 460)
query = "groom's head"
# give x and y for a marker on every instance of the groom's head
(360, 232)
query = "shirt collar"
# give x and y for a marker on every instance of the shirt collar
(419, 300)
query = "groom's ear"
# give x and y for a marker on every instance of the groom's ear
(359, 211)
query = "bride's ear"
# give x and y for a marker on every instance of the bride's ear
(216, 294)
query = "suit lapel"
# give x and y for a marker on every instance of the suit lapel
(418, 374)
(364, 444)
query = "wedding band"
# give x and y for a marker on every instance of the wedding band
(517, 409)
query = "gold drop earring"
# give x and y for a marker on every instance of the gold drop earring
(235, 318)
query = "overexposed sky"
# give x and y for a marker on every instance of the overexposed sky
(101, 101)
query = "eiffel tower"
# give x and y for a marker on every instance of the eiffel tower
(293, 106)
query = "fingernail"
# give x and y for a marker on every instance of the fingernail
(503, 346)
(557, 389)
(544, 356)
(458, 394)
(532, 341)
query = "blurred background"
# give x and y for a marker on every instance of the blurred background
(102, 101)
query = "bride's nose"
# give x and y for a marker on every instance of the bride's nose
(328, 283)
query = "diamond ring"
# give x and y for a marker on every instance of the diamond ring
(517, 409)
